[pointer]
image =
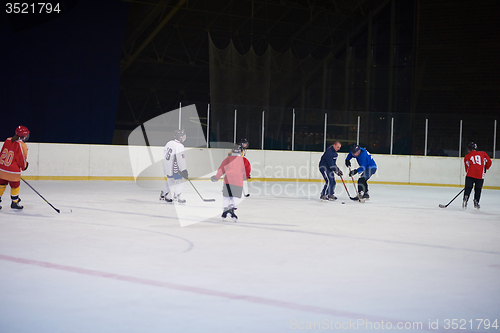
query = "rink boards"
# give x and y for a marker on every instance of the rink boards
(109, 162)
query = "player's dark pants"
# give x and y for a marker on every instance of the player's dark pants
(233, 191)
(363, 178)
(478, 187)
(231, 194)
(329, 178)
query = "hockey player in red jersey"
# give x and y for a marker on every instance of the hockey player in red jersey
(236, 169)
(243, 146)
(13, 160)
(476, 164)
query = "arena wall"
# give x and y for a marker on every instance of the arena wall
(99, 162)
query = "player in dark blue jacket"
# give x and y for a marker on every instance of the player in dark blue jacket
(328, 167)
(367, 167)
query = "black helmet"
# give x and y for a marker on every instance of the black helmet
(244, 143)
(471, 146)
(355, 149)
(180, 135)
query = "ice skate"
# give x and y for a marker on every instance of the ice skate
(15, 204)
(0, 202)
(163, 197)
(224, 213)
(476, 204)
(464, 203)
(233, 215)
(231, 210)
(179, 199)
(328, 197)
(366, 195)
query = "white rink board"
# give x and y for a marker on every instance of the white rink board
(284, 164)
(257, 159)
(493, 174)
(33, 157)
(436, 170)
(392, 168)
(314, 162)
(64, 160)
(105, 162)
(69, 160)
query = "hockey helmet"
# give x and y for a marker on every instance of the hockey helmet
(471, 146)
(180, 135)
(355, 149)
(244, 143)
(23, 132)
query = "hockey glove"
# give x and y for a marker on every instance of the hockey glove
(213, 179)
(26, 166)
(353, 172)
(348, 163)
(340, 173)
(184, 174)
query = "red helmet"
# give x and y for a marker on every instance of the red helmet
(22, 132)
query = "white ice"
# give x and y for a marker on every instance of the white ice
(121, 262)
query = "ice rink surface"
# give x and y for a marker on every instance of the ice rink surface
(121, 262)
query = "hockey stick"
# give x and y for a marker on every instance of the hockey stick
(444, 206)
(352, 198)
(354, 184)
(57, 210)
(206, 200)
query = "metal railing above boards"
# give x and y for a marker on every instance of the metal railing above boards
(314, 130)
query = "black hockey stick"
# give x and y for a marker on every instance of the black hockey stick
(206, 200)
(444, 206)
(57, 210)
(354, 184)
(352, 198)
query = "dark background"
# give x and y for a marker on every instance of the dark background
(60, 72)
(99, 69)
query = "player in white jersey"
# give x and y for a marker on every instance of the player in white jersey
(174, 167)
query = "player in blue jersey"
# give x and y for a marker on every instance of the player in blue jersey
(328, 168)
(367, 167)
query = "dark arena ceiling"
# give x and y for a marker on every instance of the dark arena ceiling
(166, 45)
